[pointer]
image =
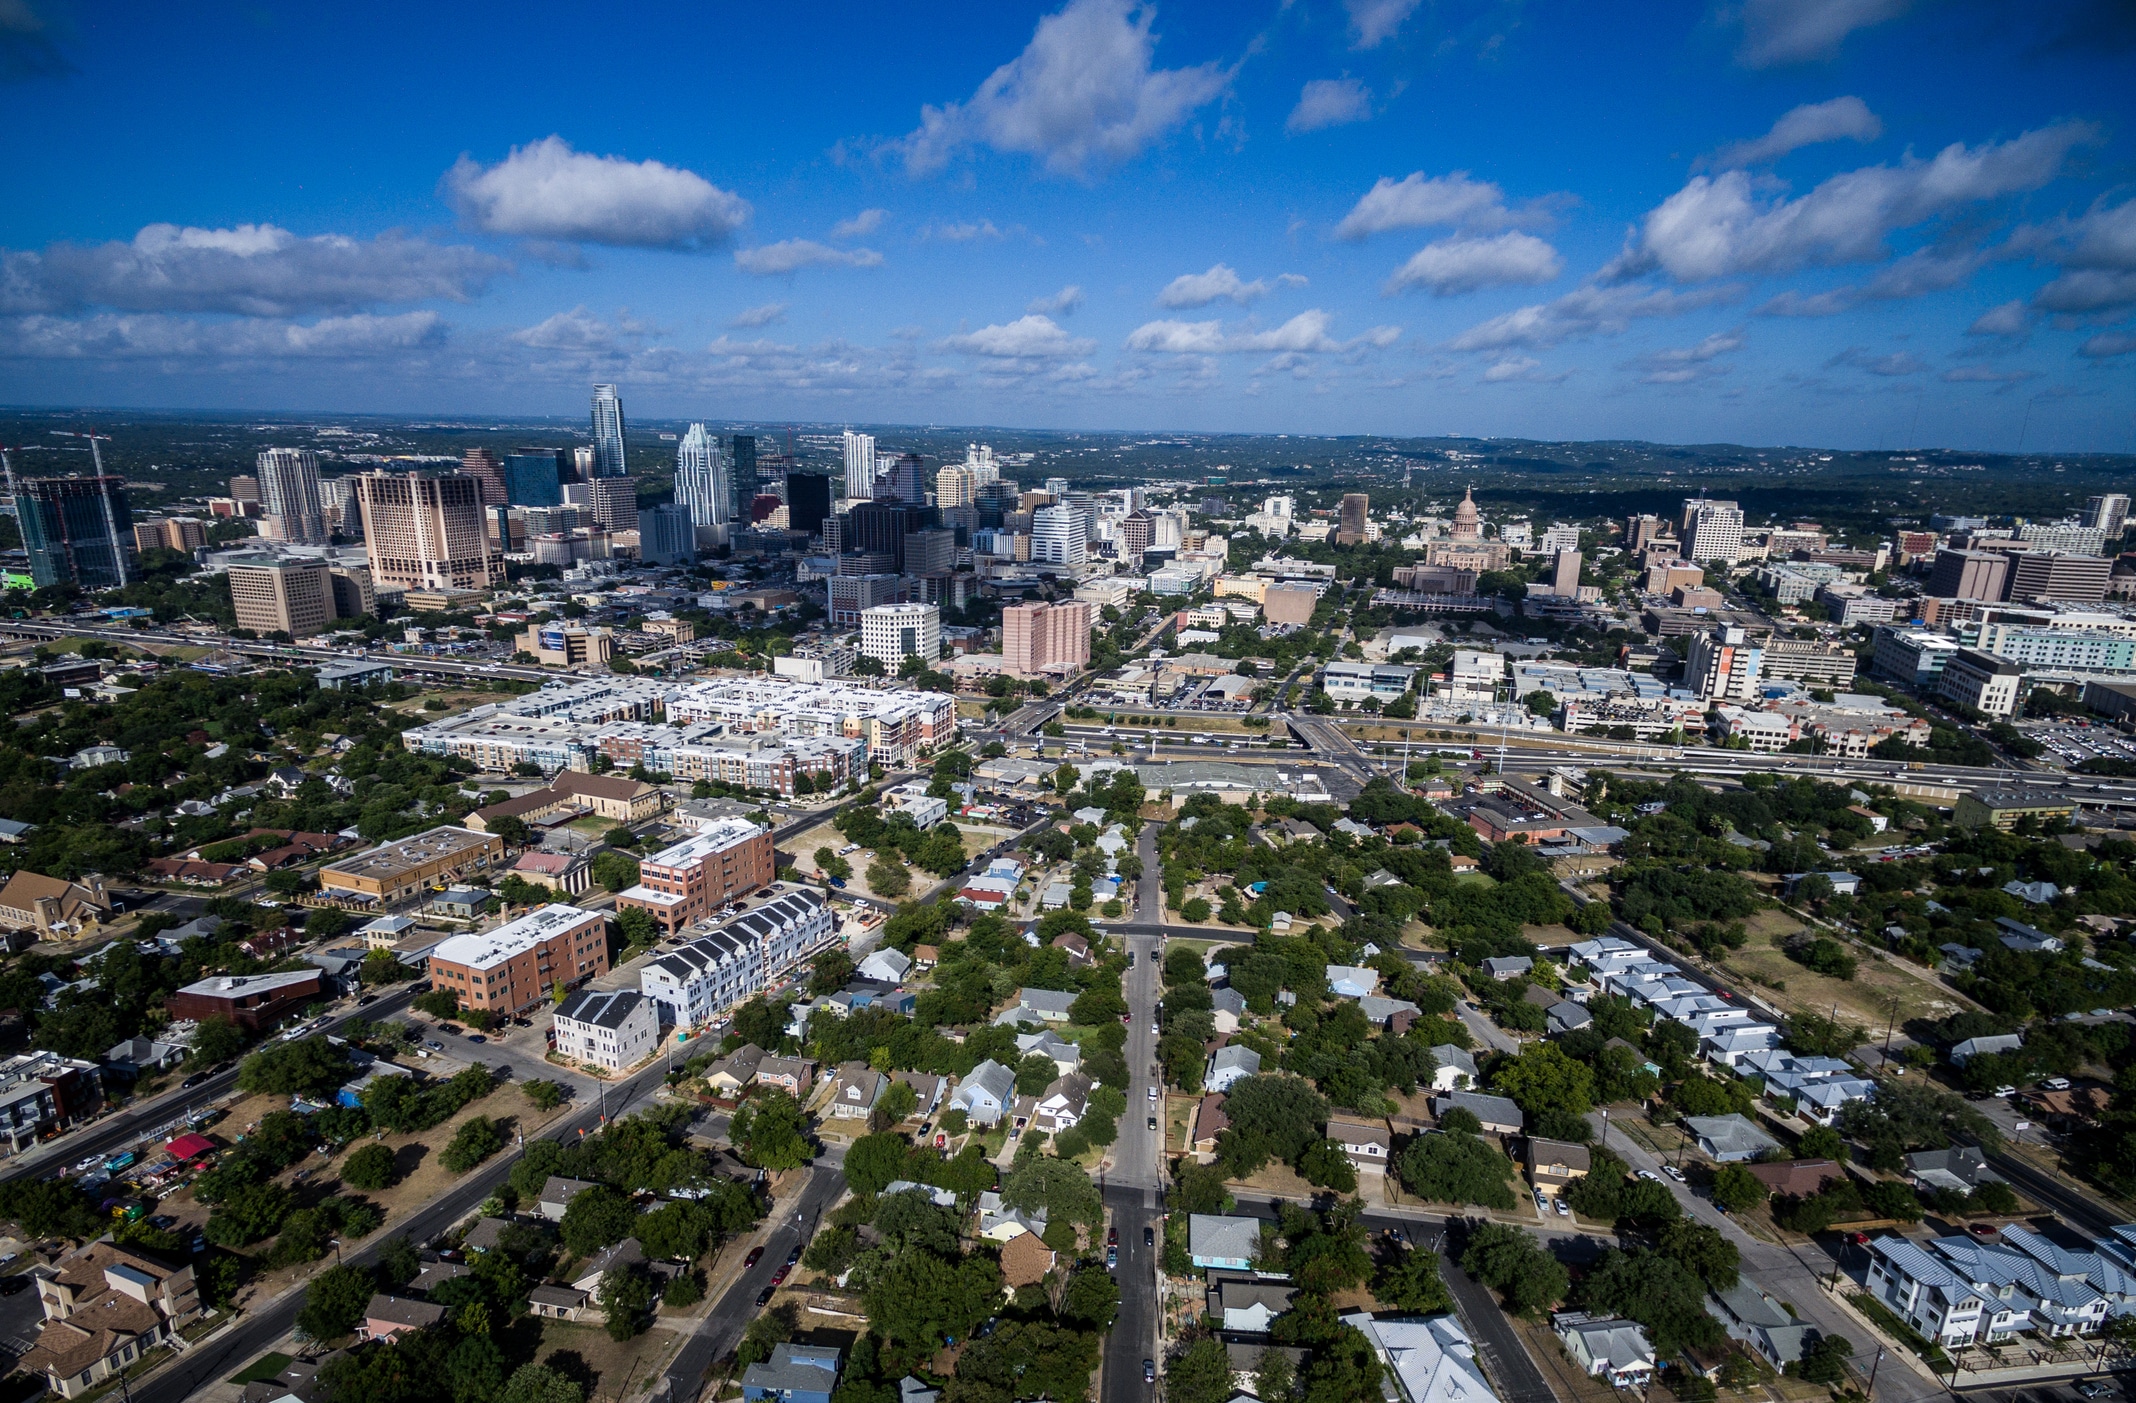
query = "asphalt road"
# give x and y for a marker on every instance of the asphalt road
(1133, 1190)
(130, 1127)
(266, 1322)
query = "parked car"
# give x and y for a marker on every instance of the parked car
(1112, 1258)
(1112, 1237)
(1153, 1122)
(1564, 1209)
(476, 1038)
(764, 1296)
(1650, 1176)
(196, 1079)
(1149, 1237)
(793, 1257)
(367, 999)
(756, 1254)
(434, 1045)
(1673, 1172)
(1153, 1093)
(2056, 1084)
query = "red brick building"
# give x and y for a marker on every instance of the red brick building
(683, 884)
(251, 1001)
(513, 968)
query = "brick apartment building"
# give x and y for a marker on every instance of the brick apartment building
(685, 883)
(512, 968)
(406, 868)
(254, 1002)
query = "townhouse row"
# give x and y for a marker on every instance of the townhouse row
(1961, 1291)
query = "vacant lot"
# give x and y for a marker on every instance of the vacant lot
(1879, 992)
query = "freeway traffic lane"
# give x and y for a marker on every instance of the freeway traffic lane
(255, 1331)
(131, 1126)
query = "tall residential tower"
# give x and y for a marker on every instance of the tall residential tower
(608, 455)
(289, 489)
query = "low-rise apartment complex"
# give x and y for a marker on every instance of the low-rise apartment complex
(514, 967)
(684, 884)
(732, 962)
(404, 869)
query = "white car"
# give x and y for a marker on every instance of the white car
(1650, 1176)
(1153, 1093)
(1564, 1210)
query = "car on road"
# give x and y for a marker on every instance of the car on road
(778, 1278)
(2005, 1091)
(367, 999)
(1153, 1122)
(196, 1079)
(1673, 1172)
(756, 1254)
(1153, 1093)
(1149, 1371)
(1112, 1237)
(2093, 1388)
(476, 1038)
(452, 1028)
(1149, 1237)
(793, 1257)
(1650, 1176)
(1112, 1258)
(1154, 1033)
(764, 1296)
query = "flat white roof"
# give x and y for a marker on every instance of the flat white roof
(716, 836)
(488, 949)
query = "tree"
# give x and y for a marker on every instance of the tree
(1408, 1280)
(615, 871)
(335, 1301)
(1707, 1254)
(216, 1041)
(596, 1218)
(1201, 1373)
(369, 1168)
(1543, 1078)
(307, 1067)
(1092, 1298)
(1507, 1260)
(1325, 1166)
(1658, 1292)
(887, 876)
(542, 1095)
(1736, 1189)
(1272, 1117)
(923, 1300)
(1062, 1190)
(1455, 1167)
(1822, 1142)
(769, 1132)
(1824, 1362)
(637, 927)
(874, 1161)
(625, 1296)
(538, 1383)
(476, 1140)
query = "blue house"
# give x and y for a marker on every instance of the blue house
(795, 1374)
(1217, 1241)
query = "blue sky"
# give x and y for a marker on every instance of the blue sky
(1831, 222)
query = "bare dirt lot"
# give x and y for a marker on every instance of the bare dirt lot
(1879, 991)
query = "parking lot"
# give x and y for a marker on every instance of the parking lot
(2073, 742)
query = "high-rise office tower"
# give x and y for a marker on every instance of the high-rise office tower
(534, 477)
(1137, 531)
(1713, 530)
(608, 452)
(979, 459)
(482, 465)
(808, 501)
(1059, 536)
(701, 480)
(905, 482)
(1565, 580)
(953, 487)
(667, 535)
(427, 532)
(859, 464)
(289, 489)
(78, 531)
(1042, 638)
(1057, 488)
(272, 595)
(1356, 507)
(2110, 514)
(1969, 574)
(613, 502)
(578, 468)
(244, 488)
(891, 633)
(741, 477)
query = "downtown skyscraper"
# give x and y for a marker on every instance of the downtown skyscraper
(608, 453)
(704, 481)
(289, 489)
(859, 465)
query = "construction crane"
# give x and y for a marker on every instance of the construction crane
(111, 522)
(93, 436)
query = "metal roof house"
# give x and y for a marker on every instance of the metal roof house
(1217, 1241)
(1729, 1139)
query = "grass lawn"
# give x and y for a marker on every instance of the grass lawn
(262, 1370)
(1476, 879)
(1178, 1122)
(1867, 1000)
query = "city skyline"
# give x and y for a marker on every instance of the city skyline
(1830, 223)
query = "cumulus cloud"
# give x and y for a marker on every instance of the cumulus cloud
(546, 190)
(1059, 304)
(1418, 201)
(2107, 344)
(1919, 273)
(1308, 331)
(575, 330)
(256, 270)
(1330, 102)
(253, 340)
(1083, 94)
(1465, 264)
(792, 255)
(1583, 312)
(1375, 21)
(1030, 337)
(965, 232)
(2097, 256)
(766, 315)
(2010, 320)
(1680, 365)
(866, 222)
(1221, 284)
(1807, 125)
(1520, 368)
(1719, 226)
(1780, 32)
(1982, 375)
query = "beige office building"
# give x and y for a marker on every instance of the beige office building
(272, 595)
(427, 532)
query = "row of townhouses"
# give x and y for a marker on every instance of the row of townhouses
(735, 960)
(1958, 1291)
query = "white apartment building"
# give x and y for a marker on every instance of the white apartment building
(1982, 681)
(1723, 666)
(1712, 530)
(859, 465)
(1060, 535)
(891, 633)
(896, 724)
(733, 961)
(610, 1028)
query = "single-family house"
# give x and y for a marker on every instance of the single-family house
(1751, 1314)
(986, 1093)
(1058, 1107)
(1506, 966)
(551, 1301)
(1366, 1143)
(998, 1222)
(789, 1074)
(1209, 1123)
(888, 966)
(1228, 1006)
(1607, 1347)
(1231, 1064)
(794, 1374)
(556, 1196)
(1566, 1016)
(1216, 1240)
(1800, 1177)
(1556, 1165)
(619, 1257)
(390, 1317)
(1961, 1168)
(927, 1090)
(1025, 1260)
(1352, 981)
(1049, 1044)
(1431, 1360)
(1038, 1006)
(855, 1090)
(1456, 1069)
(1498, 1115)
(1729, 1139)
(1379, 1011)
(1245, 1302)
(1964, 1052)
(732, 1073)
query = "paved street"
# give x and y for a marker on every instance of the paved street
(1134, 1191)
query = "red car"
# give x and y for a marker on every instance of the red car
(778, 1278)
(1112, 1237)
(756, 1254)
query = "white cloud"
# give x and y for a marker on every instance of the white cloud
(1680, 365)
(766, 315)
(1330, 102)
(2009, 320)
(1585, 311)
(1082, 94)
(1220, 284)
(2097, 256)
(1417, 202)
(256, 270)
(1895, 364)
(1375, 21)
(1464, 264)
(1919, 273)
(1807, 125)
(575, 330)
(546, 190)
(1027, 338)
(248, 341)
(1308, 331)
(1718, 226)
(1982, 375)
(1777, 32)
(1060, 304)
(866, 222)
(2107, 344)
(792, 255)
(965, 232)
(1519, 368)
